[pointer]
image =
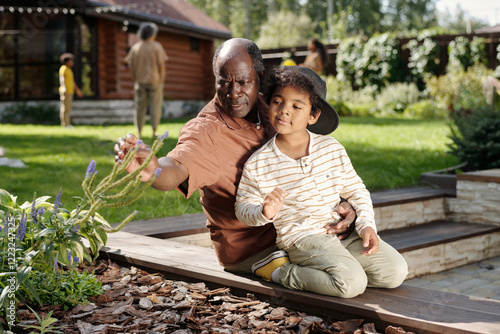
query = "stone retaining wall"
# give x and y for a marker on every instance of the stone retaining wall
(99, 112)
(478, 198)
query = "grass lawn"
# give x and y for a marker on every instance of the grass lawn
(386, 153)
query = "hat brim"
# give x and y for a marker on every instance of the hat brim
(327, 122)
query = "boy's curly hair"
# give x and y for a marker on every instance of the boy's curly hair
(288, 76)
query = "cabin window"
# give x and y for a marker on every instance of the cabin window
(195, 44)
(30, 45)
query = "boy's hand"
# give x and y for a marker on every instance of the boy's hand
(370, 241)
(273, 202)
(78, 92)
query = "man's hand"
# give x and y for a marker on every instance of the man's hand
(370, 241)
(124, 145)
(345, 227)
(273, 202)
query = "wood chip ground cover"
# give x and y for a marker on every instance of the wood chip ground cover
(136, 301)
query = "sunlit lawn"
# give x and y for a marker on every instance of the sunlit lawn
(386, 153)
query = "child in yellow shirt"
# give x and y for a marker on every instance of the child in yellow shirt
(67, 88)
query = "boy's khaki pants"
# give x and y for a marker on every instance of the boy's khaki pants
(326, 265)
(65, 109)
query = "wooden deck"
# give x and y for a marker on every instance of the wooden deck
(416, 309)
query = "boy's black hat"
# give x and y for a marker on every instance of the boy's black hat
(328, 121)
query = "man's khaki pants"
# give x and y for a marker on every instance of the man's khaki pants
(151, 96)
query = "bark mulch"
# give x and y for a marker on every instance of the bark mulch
(136, 301)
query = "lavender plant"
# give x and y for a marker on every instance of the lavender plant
(45, 237)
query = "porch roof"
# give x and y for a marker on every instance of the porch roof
(168, 14)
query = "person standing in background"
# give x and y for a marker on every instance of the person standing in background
(67, 88)
(146, 60)
(317, 59)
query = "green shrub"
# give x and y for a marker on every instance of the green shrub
(380, 63)
(460, 89)
(465, 53)
(426, 109)
(66, 288)
(497, 70)
(363, 110)
(424, 59)
(348, 61)
(394, 98)
(24, 113)
(475, 135)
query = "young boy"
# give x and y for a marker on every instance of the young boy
(296, 181)
(67, 88)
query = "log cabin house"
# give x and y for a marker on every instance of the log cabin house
(33, 34)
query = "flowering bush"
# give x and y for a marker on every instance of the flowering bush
(42, 237)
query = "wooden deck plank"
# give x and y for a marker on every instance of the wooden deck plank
(437, 312)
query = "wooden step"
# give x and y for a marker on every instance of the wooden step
(416, 309)
(169, 227)
(433, 233)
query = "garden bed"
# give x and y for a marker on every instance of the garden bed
(136, 301)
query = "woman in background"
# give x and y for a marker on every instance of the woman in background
(317, 59)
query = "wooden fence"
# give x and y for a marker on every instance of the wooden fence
(274, 57)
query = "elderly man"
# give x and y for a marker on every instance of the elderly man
(210, 154)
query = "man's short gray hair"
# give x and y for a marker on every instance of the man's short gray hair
(147, 30)
(252, 49)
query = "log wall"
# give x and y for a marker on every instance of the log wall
(189, 73)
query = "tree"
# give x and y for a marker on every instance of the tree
(285, 29)
(403, 15)
(458, 21)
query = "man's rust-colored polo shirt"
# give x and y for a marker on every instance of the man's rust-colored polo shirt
(214, 148)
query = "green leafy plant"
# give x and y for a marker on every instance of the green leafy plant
(65, 287)
(45, 324)
(459, 88)
(425, 109)
(36, 237)
(395, 97)
(475, 135)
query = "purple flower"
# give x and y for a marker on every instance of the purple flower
(157, 172)
(164, 136)
(40, 211)
(21, 230)
(90, 168)
(76, 259)
(6, 226)
(69, 256)
(33, 212)
(55, 263)
(57, 202)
